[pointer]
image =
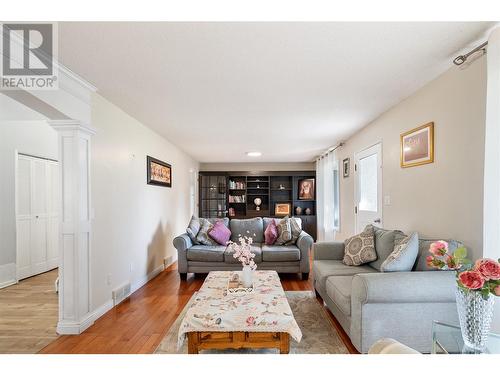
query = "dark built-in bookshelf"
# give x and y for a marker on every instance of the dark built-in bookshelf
(233, 194)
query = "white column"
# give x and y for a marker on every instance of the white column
(491, 210)
(74, 279)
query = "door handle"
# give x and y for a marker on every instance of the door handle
(376, 221)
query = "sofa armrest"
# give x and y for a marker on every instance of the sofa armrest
(182, 243)
(304, 243)
(404, 287)
(328, 250)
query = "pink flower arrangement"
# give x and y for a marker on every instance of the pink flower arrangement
(483, 276)
(242, 252)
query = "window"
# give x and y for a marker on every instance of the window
(368, 183)
(336, 199)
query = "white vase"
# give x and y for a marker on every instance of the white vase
(247, 276)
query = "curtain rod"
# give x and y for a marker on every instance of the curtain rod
(459, 60)
(331, 149)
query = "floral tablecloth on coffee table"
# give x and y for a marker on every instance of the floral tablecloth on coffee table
(266, 309)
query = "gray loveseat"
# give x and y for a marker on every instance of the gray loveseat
(284, 259)
(371, 305)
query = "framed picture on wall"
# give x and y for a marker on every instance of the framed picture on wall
(346, 167)
(417, 146)
(158, 172)
(282, 209)
(306, 189)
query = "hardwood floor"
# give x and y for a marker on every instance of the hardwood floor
(138, 324)
(28, 314)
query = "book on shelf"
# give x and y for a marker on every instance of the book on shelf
(236, 199)
(236, 185)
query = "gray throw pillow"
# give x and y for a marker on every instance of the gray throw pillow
(403, 256)
(284, 231)
(193, 229)
(384, 244)
(296, 230)
(360, 249)
(202, 237)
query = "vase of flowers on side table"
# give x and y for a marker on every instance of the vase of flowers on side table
(242, 252)
(477, 285)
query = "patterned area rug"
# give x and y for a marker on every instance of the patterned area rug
(318, 334)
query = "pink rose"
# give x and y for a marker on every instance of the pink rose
(488, 268)
(471, 279)
(439, 248)
(496, 291)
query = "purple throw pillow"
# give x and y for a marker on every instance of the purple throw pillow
(271, 233)
(220, 233)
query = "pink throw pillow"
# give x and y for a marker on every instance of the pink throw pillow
(220, 233)
(271, 233)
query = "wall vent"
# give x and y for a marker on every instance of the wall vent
(120, 294)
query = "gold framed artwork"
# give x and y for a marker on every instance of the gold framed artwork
(417, 146)
(158, 172)
(282, 209)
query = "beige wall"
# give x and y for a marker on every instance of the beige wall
(134, 223)
(255, 167)
(439, 200)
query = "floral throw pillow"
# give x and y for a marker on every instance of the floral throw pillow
(284, 231)
(203, 237)
(360, 249)
(193, 229)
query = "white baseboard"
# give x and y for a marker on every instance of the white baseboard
(75, 328)
(7, 275)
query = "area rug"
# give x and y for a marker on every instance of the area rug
(318, 334)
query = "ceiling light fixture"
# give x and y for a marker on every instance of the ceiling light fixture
(254, 154)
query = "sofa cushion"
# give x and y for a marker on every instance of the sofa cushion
(225, 220)
(360, 249)
(220, 233)
(202, 253)
(267, 221)
(284, 231)
(296, 230)
(423, 252)
(253, 228)
(322, 269)
(280, 253)
(202, 237)
(271, 233)
(193, 229)
(339, 289)
(403, 256)
(255, 248)
(384, 244)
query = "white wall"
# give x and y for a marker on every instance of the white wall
(26, 131)
(439, 200)
(255, 167)
(134, 223)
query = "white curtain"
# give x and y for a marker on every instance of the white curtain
(326, 202)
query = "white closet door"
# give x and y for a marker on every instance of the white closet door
(37, 216)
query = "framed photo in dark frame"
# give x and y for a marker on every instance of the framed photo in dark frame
(158, 172)
(306, 189)
(346, 167)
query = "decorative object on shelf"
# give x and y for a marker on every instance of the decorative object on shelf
(281, 187)
(476, 283)
(158, 172)
(282, 209)
(308, 211)
(298, 210)
(417, 146)
(257, 201)
(346, 167)
(242, 252)
(306, 189)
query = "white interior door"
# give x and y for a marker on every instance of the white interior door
(368, 187)
(37, 218)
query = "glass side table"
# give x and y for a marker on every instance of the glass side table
(447, 339)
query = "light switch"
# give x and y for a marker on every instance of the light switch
(387, 200)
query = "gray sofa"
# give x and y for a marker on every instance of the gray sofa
(284, 259)
(371, 305)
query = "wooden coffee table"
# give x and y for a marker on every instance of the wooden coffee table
(218, 320)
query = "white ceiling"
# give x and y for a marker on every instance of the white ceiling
(289, 90)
